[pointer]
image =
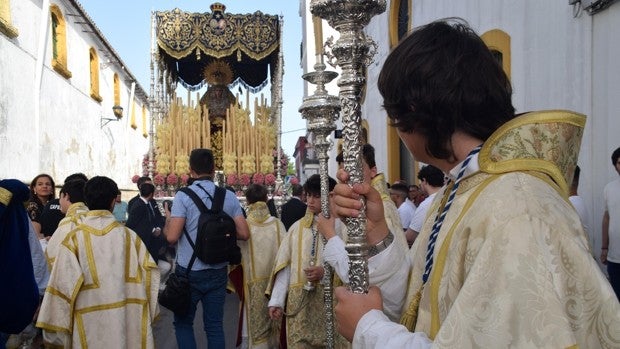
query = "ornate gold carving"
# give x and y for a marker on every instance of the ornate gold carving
(218, 72)
(180, 33)
(5, 196)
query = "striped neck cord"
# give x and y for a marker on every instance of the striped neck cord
(430, 249)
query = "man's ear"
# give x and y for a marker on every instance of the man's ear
(112, 204)
(373, 171)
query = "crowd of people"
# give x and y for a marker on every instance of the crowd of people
(487, 251)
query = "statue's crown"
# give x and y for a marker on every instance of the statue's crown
(216, 6)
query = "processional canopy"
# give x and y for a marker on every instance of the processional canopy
(220, 51)
(189, 42)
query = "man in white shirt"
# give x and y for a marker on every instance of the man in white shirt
(431, 180)
(580, 205)
(610, 250)
(406, 208)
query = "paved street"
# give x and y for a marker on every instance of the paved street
(164, 329)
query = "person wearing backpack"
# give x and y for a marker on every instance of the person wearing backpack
(207, 279)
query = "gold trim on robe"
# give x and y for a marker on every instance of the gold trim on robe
(512, 267)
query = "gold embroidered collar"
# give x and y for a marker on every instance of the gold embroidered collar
(258, 212)
(546, 142)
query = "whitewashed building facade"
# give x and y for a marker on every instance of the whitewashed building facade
(59, 82)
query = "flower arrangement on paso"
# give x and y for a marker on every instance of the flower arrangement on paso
(258, 178)
(172, 181)
(244, 179)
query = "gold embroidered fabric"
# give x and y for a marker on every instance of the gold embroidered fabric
(545, 141)
(259, 253)
(513, 269)
(102, 290)
(5, 196)
(179, 33)
(258, 212)
(303, 330)
(75, 213)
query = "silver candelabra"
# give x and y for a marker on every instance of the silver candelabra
(352, 51)
(321, 112)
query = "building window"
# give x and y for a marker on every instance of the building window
(94, 74)
(499, 44)
(5, 19)
(400, 20)
(117, 95)
(399, 157)
(144, 133)
(132, 119)
(59, 42)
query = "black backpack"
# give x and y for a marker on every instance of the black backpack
(216, 236)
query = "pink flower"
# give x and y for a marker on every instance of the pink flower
(158, 179)
(231, 179)
(294, 180)
(270, 179)
(184, 179)
(258, 178)
(135, 178)
(172, 179)
(244, 179)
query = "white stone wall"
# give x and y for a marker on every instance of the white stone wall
(67, 136)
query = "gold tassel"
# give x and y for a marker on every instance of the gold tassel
(410, 316)
(274, 334)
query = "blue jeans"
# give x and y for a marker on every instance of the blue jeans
(613, 269)
(209, 287)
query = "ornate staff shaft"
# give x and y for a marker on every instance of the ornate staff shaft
(352, 52)
(152, 101)
(277, 100)
(321, 111)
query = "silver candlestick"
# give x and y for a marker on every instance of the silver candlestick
(352, 52)
(321, 112)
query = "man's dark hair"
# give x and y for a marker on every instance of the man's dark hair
(143, 180)
(146, 189)
(576, 176)
(339, 158)
(77, 175)
(99, 192)
(313, 185)
(403, 189)
(256, 193)
(75, 189)
(201, 161)
(368, 153)
(614, 156)
(443, 78)
(297, 190)
(432, 175)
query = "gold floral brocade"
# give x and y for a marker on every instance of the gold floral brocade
(545, 141)
(512, 266)
(306, 329)
(259, 323)
(179, 33)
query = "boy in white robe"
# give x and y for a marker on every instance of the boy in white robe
(103, 288)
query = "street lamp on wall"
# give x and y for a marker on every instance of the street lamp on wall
(118, 112)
